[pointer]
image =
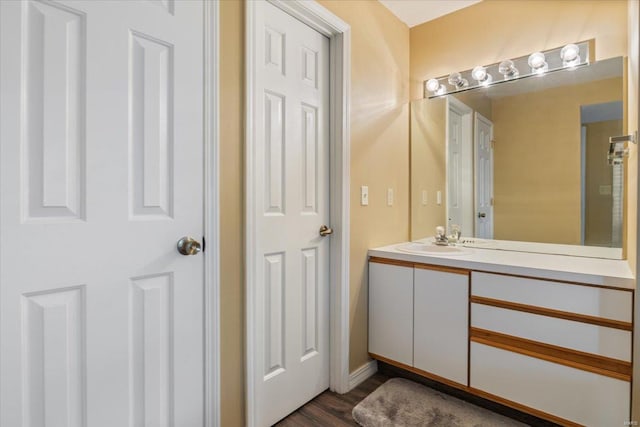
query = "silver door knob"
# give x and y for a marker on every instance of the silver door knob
(482, 215)
(188, 246)
(325, 231)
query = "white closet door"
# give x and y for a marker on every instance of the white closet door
(101, 173)
(291, 199)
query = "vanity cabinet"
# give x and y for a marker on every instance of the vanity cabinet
(559, 350)
(418, 318)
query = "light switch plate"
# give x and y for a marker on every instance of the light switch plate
(439, 197)
(364, 195)
(389, 196)
(424, 197)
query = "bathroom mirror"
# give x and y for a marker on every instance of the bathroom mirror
(524, 160)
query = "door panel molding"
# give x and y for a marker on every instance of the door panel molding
(338, 32)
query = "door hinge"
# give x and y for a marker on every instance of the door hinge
(490, 202)
(204, 244)
(493, 143)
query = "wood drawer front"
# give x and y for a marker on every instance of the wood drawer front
(600, 340)
(391, 312)
(573, 394)
(586, 300)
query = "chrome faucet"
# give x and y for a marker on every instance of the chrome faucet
(441, 238)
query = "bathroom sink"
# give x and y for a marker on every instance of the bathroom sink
(431, 249)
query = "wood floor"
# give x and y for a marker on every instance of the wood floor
(332, 409)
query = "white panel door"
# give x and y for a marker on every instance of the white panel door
(459, 167)
(101, 173)
(484, 177)
(291, 173)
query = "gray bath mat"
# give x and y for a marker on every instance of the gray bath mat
(400, 402)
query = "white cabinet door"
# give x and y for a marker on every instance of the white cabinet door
(391, 312)
(441, 316)
(579, 396)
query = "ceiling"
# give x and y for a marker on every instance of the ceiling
(416, 12)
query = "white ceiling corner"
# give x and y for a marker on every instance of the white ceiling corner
(416, 12)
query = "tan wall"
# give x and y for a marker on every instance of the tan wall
(481, 104)
(379, 159)
(428, 165)
(493, 30)
(379, 145)
(232, 213)
(537, 161)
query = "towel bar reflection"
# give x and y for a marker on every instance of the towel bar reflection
(617, 148)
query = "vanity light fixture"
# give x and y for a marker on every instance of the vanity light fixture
(538, 63)
(570, 55)
(508, 69)
(456, 80)
(434, 86)
(481, 75)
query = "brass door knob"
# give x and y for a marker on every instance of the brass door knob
(188, 246)
(325, 231)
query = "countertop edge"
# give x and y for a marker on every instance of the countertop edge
(618, 274)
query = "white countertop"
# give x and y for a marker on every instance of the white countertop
(596, 271)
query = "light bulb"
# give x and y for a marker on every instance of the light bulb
(433, 85)
(508, 69)
(480, 74)
(456, 80)
(570, 55)
(537, 63)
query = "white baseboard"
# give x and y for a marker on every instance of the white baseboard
(362, 373)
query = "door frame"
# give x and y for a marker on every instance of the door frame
(339, 34)
(468, 182)
(211, 141)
